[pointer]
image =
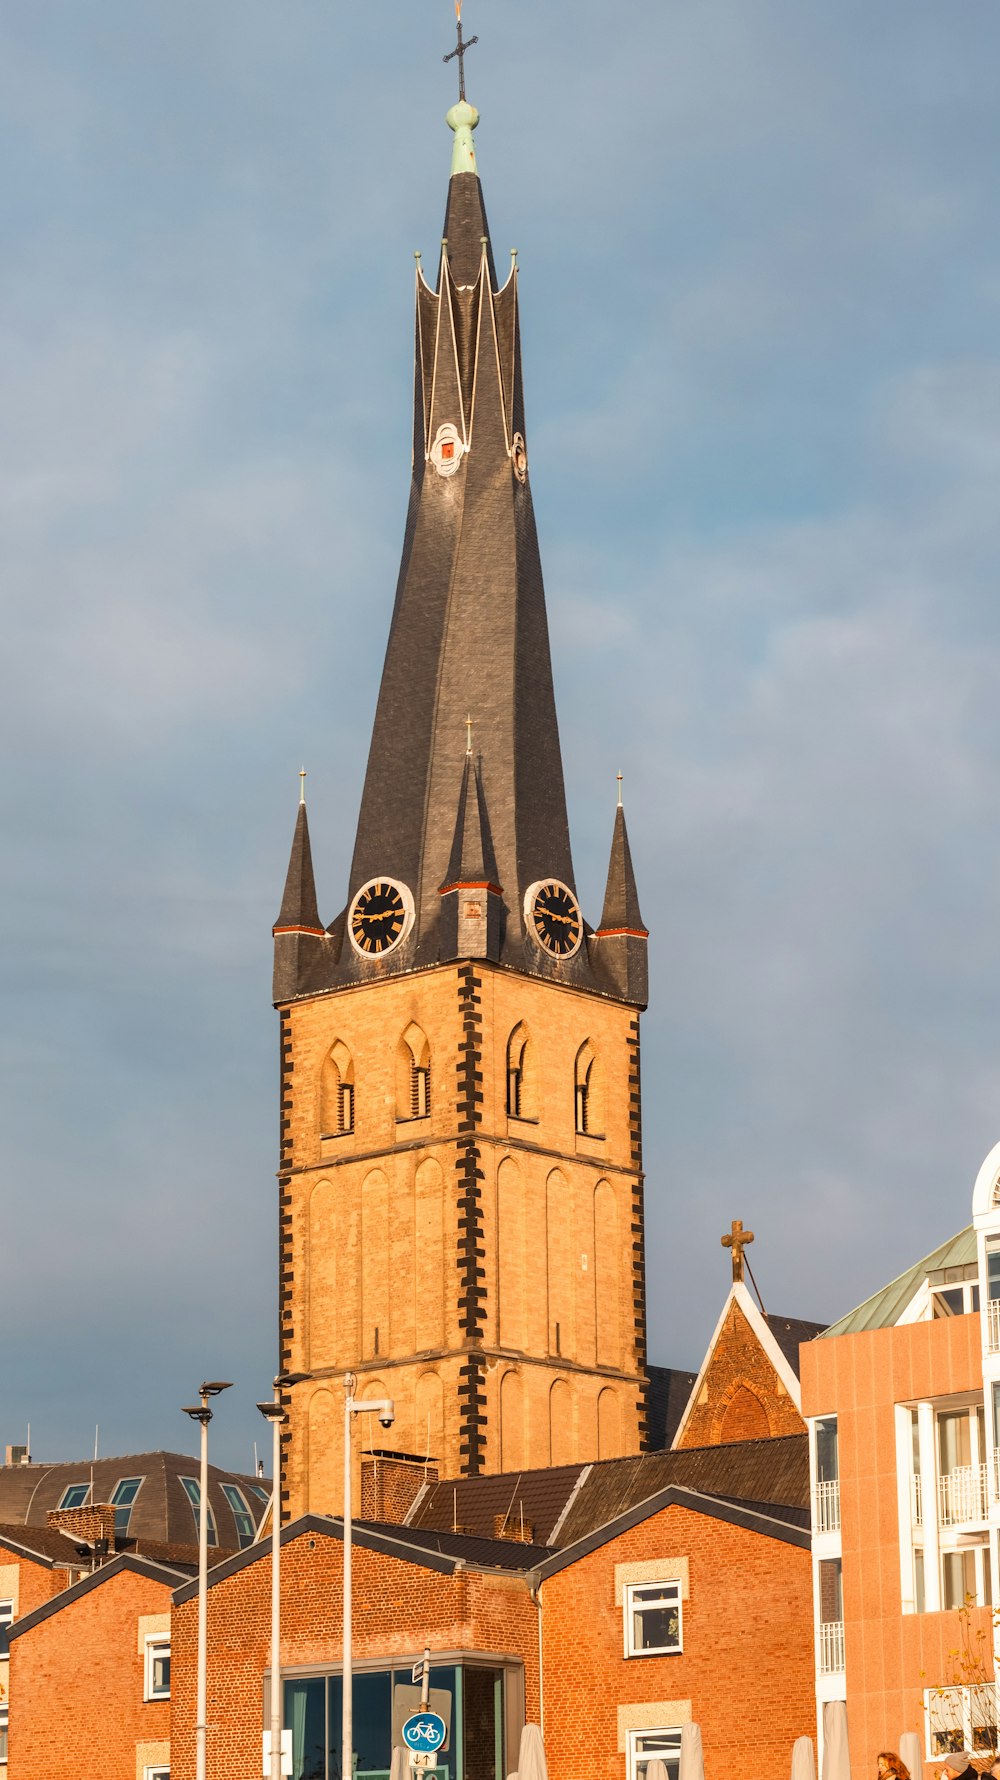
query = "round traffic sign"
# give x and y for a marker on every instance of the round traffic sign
(424, 1730)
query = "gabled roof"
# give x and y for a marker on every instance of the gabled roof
(476, 1504)
(790, 1332)
(107, 1573)
(669, 1391)
(884, 1308)
(766, 1331)
(44, 1545)
(770, 1521)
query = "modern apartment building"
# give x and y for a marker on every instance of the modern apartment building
(902, 1399)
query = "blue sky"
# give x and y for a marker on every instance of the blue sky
(761, 296)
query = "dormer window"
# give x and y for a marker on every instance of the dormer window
(955, 1290)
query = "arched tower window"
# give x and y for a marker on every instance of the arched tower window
(413, 1075)
(520, 1075)
(337, 1092)
(588, 1092)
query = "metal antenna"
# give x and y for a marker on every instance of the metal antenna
(460, 51)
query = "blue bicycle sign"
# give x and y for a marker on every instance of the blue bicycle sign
(424, 1730)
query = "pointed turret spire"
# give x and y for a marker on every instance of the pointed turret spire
(298, 927)
(471, 896)
(620, 941)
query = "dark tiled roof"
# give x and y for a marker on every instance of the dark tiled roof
(46, 1544)
(475, 1504)
(161, 1511)
(789, 1332)
(478, 1553)
(124, 1562)
(669, 1392)
(761, 1471)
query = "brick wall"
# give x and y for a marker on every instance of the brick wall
(77, 1709)
(398, 1607)
(745, 1673)
(741, 1396)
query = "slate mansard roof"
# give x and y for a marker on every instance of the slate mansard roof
(161, 1515)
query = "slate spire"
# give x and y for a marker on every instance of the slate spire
(298, 931)
(619, 945)
(469, 628)
(471, 896)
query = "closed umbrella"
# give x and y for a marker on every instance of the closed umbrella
(531, 1755)
(803, 1759)
(692, 1761)
(399, 1768)
(911, 1753)
(656, 1769)
(836, 1757)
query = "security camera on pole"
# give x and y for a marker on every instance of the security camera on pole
(385, 1409)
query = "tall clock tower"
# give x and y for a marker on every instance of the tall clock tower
(460, 1185)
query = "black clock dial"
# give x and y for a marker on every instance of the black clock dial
(555, 919)
(378, 916)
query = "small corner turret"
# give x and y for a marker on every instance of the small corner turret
(298, 932)
(619, 945)
(471, 896)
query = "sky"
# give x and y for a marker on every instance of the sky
(760, 304)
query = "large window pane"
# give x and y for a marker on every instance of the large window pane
(827, 1466)
(484, 1754)
(372, 1716)
(305, 1717)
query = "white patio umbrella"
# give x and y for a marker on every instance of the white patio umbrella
(836, 1757)
(399, 1768)
(803, 1759)
(531, 1755)
(656, 1769)
(911, 1753)
(692, 1761)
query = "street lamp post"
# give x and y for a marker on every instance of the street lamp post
(276, 1414)
(203, 1415)
(384, 1408)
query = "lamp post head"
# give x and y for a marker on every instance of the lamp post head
(285, 1380)
(214, 1389)
(199, 1413)
(273, 1412)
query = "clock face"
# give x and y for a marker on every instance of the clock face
(380, 916)
(554, 918)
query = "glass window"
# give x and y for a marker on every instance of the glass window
(644, 1746)
(3, 1733)
(245, 1527)
(305, 1717)
(961, 1718)
(652, 1618)
(193, 1491)
(827, 1465)
(259, 1490)
(993, 1271)
(474, 1705)
(918, 1581)
(157, 1669)
(156, 1773)
(122, 1497)
(6, 1613)
(954, 1439)
(74, 1495)
(958, 1577)
(831, 1591)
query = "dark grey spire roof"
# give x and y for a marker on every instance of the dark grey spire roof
(299, 910)
(468, 638)
(621, 898)
(473, 860)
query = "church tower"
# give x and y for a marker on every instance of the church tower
(460, 1185)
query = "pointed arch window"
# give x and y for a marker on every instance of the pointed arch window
(337, 1093)
(588, 1097)
(520, 1075)
(413, 1075)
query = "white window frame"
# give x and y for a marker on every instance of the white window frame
(933, 1703)
(70, 1488)
(241, 1505)
(156, 1643)
(6, 1613)
(156, 1772)
(629, 1593)
(634, 1755)
(194, 1497)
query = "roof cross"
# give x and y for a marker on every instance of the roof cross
(460, 51)
(738, 1240)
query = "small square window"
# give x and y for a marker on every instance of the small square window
(74, 1495)
(653, 1618)
(6, 1613)
(157, 1669)
(156, 1774)
(654, 1745)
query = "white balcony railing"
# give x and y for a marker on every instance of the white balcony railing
(826, 1507)
(831, 1648)
(962, 1496)
(993, 1325)
(917, 1501)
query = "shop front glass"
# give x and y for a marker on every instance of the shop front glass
(475, 1746)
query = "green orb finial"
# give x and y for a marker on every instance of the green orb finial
(463, 118)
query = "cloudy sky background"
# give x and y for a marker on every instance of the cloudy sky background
(761, 301)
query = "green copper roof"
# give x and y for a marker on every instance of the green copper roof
(463, 118)
(886, 1307)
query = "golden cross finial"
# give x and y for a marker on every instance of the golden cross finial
(468, 735)
(302, 785)
(738, 1240)
(619, 790)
